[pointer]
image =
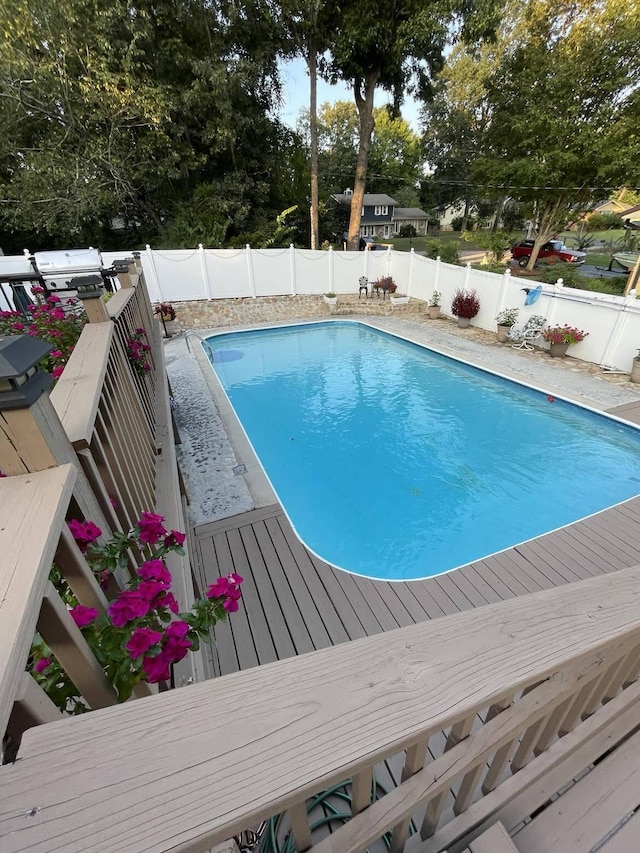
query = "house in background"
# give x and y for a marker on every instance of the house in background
(610, 205)
(381, 216)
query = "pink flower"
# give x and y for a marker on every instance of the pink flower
(140, 331)
(57, 371)
(156, 669)
(130, 605)
(234, 578)
(84, 532)
(42, 664)
(35, 288)
(18, 327)
(230, 605)
(155, 570)
(174, 538)
(177, 629)
(151, 528)
(150, 589)
(218, 589)
(167, 600)
(53, 299)
(141, 641)
(83, 615)
(56, 353)
(176, 645)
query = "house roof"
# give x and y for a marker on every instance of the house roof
(369, 199)
(629, 210)
(410, 213)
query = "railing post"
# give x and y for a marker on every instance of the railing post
(32, 437)
(504, 285)
(436, 275)
(331, 271)
(412, 255)
(90, 293)
(125, 268)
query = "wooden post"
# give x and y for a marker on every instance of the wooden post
(634, 278)
(32, 438)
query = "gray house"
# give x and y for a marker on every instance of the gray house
(381, 216)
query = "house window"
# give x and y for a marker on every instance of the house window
(381, 210)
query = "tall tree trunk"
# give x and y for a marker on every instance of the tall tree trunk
(552, 218)
(498, 213)
(364, 91)
(312, 61)
(465, 215)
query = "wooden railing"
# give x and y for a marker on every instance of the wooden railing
(468, 708)
(468, 704)
(95, 449)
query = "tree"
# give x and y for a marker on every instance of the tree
(456, 121)
(124, 109)
(396, 47)
(395, 157)
(565, 105)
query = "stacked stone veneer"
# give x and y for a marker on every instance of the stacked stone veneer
(208, 314)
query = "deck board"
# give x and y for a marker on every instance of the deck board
(293, 602)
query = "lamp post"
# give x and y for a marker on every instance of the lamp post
(21, 381)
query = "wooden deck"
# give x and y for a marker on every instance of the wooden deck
(295, 603)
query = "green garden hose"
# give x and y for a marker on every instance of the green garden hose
(271, 843)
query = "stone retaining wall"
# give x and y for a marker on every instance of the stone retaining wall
(210, 314)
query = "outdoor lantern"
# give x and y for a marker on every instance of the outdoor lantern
(21, 383)
(87, 286)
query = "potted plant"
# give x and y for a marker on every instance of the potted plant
(434, 305)
(167, 315)
(465, 306)
(560, 339)
(385, 284)
(635, 368)
(331, 298)
(505, 320)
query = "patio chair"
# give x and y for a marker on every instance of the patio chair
(524, 336)
(363, 283)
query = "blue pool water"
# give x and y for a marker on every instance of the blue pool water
(395, 462)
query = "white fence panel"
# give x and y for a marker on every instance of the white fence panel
(400, 269)
(450, 278)
(348, 267)
(313, 271)
(227, 273)
(272, 271)
(625, 341)
(424, 275)
(177, 274)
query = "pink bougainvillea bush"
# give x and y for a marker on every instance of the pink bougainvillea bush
(142, 633)
(48, 321)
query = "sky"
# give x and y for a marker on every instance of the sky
(296, 95)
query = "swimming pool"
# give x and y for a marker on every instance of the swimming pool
(395, 462)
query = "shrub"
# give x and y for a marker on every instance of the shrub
(465, 304)
(48, 321)
(408, 231)
(603, 221)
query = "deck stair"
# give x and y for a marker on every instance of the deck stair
(598, 813)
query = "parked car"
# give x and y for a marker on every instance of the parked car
(371, 243)
(521, 252)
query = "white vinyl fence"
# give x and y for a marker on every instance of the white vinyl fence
(180, 275)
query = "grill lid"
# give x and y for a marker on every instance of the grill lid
(67, 262)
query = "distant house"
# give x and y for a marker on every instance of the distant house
(631, 216)
(608, 206)
(381, 216)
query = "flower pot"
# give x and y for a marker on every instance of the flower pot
(635, 370)
(434, 311)
(170, 326)
(330, 300)
(558, 350)
(464, 322)
(399, 300)
(503, 334)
